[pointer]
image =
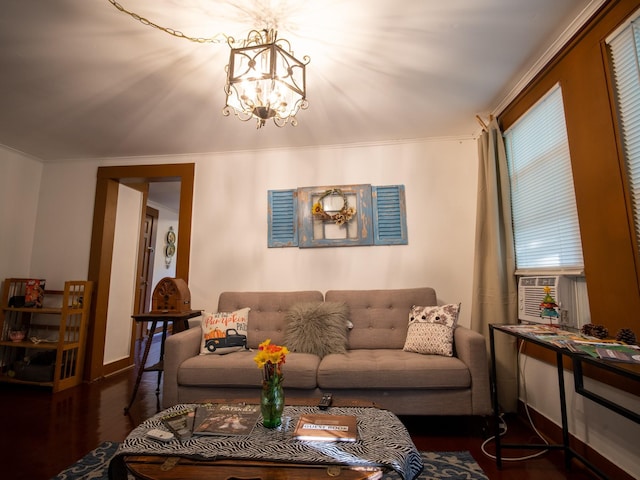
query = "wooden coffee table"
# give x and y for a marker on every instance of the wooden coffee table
(157, 468)
(165, 468)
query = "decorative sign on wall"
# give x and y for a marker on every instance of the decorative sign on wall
(170, 248)
(336, 216)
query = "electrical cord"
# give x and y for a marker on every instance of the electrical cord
(502, 426)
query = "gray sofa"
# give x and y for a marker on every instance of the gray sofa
(375, 367)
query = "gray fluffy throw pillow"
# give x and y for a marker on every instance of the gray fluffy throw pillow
(317, 327)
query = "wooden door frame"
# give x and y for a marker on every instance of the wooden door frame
(102, 237)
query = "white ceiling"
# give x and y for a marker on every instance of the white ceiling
(81, 79)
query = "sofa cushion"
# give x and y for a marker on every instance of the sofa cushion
(379, 317)
(238, 369)
(319, 328)
(268, 311)
(391, 369)
(431, 329)
(224, 332)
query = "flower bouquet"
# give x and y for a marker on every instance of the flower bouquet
(270, 359)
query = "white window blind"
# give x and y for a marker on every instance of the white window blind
(623, 49)
(545, 218)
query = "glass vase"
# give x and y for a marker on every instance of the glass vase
(272, 402)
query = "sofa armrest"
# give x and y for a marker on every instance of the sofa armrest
(470, 347)
(177, 348)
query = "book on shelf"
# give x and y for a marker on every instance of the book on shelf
(34, 292)
(326, 427)
(225, 418)
(180, 423)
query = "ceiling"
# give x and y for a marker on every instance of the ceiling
(81, 79)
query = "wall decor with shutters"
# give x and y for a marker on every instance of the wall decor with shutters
(337, 216)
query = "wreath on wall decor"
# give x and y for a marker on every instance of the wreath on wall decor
(345, 214)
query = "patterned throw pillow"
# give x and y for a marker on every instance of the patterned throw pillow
(224, 332)
(431, 329)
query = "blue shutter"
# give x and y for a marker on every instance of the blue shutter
(283, 223)
(390, 215)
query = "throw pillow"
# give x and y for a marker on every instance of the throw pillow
(224, 332)
(317, 327)
(431, 329)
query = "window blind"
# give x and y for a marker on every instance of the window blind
(623, 49)
(545, 217)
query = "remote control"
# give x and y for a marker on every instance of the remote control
(160, 435)
(325, 401)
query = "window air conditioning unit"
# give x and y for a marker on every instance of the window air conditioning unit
(570, 293)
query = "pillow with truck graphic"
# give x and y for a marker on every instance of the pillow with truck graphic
(224, 332)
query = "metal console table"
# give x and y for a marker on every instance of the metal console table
(630, 371)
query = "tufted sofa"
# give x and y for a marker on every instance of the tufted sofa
(375, 366)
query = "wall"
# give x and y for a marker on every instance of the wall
(19, 192)
(166, 218)
(610, 434)
(229, 237)
(117, 345)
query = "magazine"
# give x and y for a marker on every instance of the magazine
(180, 423)
(325, 427)
(226, 419)
(619, 353)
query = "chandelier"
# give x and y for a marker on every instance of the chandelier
(265, 81)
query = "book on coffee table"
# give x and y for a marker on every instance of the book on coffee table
(326, 427)
(180, 423)
(225, 419)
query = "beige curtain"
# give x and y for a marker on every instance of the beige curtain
(494, 286)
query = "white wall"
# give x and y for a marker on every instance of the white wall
(124, 269)
(19, 192)
(229, 238)
(166, 218)
(613, 436)
(62, 242)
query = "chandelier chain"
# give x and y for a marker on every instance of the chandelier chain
(217, 38)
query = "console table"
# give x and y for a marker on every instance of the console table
(630, 371)
(164, 318)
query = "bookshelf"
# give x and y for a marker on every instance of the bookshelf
(52, 352)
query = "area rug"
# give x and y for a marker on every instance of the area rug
(437, 465)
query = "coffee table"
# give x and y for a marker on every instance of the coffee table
(271, 454)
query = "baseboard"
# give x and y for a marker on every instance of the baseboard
(553, 433)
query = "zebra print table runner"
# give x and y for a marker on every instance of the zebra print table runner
(384, 441)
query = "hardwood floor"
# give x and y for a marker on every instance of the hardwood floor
(42, 433)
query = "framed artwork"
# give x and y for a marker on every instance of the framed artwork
(334, 216)
(337, 216)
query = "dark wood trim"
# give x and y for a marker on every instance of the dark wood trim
(108, 180)
(602, 196)
(104, 219)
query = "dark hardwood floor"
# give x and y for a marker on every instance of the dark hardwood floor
(42, 433)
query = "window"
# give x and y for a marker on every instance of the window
(623, 47)
(545, 218)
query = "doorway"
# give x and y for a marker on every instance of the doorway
(146, 267)
(102, 243)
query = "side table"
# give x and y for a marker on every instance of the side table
(155, 318)
(627, 371)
